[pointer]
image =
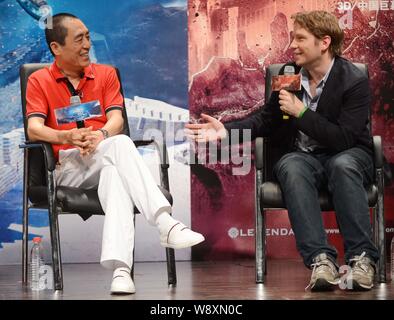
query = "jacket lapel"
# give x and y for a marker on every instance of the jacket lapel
(300, 93)
(330, 87)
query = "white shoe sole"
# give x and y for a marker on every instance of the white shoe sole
(120, 287)
(182, 245)
(360, 287)
(122, 290)
(324, 285)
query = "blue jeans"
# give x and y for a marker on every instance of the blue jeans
(301, 175)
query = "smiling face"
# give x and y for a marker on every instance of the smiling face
(74, 54)
(308, 50)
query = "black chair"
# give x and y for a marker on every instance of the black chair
(40, 190)
(269, 196)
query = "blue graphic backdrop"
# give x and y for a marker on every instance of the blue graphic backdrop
(145, 39)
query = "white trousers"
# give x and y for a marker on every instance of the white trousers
(118, 172)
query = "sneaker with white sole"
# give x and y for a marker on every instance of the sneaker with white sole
(122, 282)
(179, 236)
(325, 274)
(363, 272)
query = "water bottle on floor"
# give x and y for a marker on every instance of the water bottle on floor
(36, 263)
(392, 259)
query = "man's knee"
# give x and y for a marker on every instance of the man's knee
(117, 148)
(291, 164)
(123, 143)
(341, 166)
(122, 139)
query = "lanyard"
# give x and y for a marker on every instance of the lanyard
(73, 91)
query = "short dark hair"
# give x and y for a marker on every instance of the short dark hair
(57, 32)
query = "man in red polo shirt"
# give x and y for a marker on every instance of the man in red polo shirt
(98, 156)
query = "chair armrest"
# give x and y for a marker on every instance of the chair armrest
(378, 151)
(47, 150)
(160, 146)
(141, 143)
(259, 156)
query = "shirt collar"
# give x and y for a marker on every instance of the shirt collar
(305, 76)
(55, 70)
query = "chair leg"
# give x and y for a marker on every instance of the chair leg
(25, 252)
(25, 218)
(171, 268)
(264, 243)
(260, 246)
(56, 255)
(379, 227)
(54, 231)
(132, 266)
(259, 231)
(265, 261)
(259, 249)
(380, 241)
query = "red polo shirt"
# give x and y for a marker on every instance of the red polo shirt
(47, 90)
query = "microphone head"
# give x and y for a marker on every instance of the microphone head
(289, 70)
(75, 100)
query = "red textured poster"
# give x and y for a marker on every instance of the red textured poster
(231, 43)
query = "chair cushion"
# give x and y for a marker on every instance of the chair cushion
(271, 197)
(84, 202)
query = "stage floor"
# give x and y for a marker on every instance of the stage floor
(219, 280)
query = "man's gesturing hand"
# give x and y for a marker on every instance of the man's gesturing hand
(211, 130)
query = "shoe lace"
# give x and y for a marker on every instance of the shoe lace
(359, 262)
(315, 265)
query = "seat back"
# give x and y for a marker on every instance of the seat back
(36, 165)
(36, 176)
(273, 152)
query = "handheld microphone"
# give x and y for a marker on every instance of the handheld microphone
(288, 71)
(75, 100)
(289, 81)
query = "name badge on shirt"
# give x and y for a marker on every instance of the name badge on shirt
(78, 112)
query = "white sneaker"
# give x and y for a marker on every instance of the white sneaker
(180, 236)
(122, 282)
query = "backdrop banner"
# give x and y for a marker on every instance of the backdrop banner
(231, 43)
(147, 41)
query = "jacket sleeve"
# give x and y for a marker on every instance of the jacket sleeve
(352, 120)
(261, 123)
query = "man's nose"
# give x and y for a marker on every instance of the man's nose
(86, 43)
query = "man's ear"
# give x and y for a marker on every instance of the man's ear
(56, 48)
(325, 42)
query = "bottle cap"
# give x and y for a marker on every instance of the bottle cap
(36, 239)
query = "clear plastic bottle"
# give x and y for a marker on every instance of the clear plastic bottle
(392, 259)
(36, 262)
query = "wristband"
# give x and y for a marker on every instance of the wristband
(104, 132)
(302, 112)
